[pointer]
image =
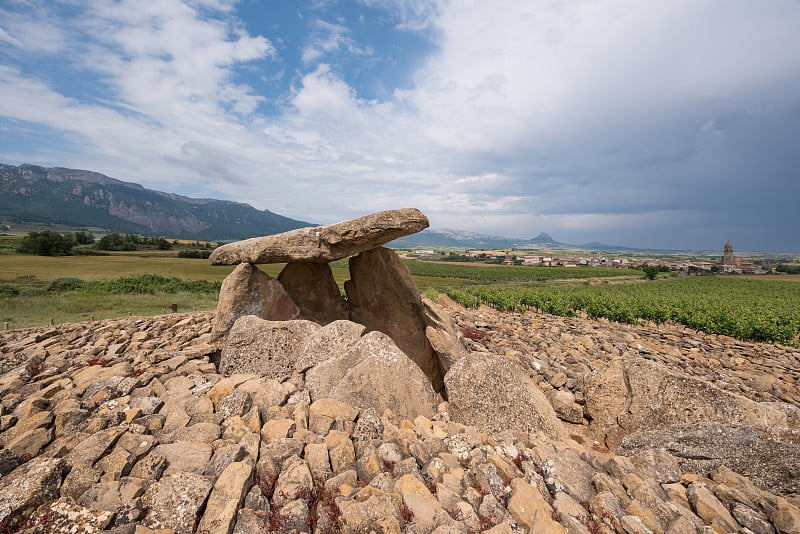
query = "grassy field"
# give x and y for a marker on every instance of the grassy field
(35, 289)
(27, 297)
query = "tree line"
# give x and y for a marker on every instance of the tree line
(51, 243)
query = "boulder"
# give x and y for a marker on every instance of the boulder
(383, 297)
(496, 394)
(30, 485)
(769, 458)
(323, 244)
(266, 348)
(443, 335)
(374, 373)
(333, 338)
(250, 291)
(632, 394)
(312, 288)
(173, 502)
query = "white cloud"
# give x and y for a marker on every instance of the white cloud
(327, 38)
(31, 35)
(323, 93)
(166, 61)
(413, 15)
(579, 117)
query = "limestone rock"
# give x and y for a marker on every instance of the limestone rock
(312, 288)
(416, 497)
(250, 291)
(334, 338)
(294, 481)
(564, 471)
(496, 394)
(226, 497)
(786, 518)
(173, 501)
(525, 502)
(189, 456)
(266, 348)
(323, 244)
(8, 462)
(121, 497)
(383, 297)
(374, 373)
(65, 517)
(443, 335)
(631, 394)
(709, 508)
(565, 406)
(365, 516)
(122, 395)
(30, 485)
(768, 457)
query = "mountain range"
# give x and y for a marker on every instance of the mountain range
(30, 194)
(449, 238)
(34, 196)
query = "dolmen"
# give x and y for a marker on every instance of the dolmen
(381, 345)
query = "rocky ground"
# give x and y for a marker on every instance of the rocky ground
(554, 346)
(125, 426)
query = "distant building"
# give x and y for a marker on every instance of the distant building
(728, 257)
(733, 263)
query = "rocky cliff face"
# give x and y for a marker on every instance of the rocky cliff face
(87, 199)
(126, 426)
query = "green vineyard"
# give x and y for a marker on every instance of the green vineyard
(513, 273)
(761, 310)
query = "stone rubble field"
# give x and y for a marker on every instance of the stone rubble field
(127, 426)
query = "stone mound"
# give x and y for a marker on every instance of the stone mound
(127, 426)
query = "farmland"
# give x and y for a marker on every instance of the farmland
(34, 289)
(761, 310)
(512, 273)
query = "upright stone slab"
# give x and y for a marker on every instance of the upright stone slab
(383, 297)
(250, 291)
(323, 244)
(443, 335)
(312, 287)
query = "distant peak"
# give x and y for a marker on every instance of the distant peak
(543, 238)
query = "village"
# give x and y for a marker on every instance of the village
(729, 263)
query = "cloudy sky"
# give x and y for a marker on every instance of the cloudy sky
(665, 123)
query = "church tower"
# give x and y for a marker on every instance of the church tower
(727, 256)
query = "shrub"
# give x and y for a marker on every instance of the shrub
(650, 272)
(196, 254)
(152, 283)
(7, 290)
(64, 284)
